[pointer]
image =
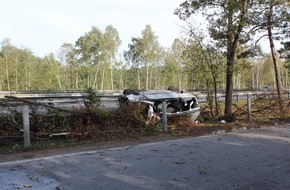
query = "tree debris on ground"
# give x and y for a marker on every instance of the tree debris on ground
(94, 124)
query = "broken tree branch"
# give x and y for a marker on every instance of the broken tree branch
(39, 104)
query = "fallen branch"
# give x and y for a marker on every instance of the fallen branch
(39, 104)
(241, 111)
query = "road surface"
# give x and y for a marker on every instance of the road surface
(248, 159)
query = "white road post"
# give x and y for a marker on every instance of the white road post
(249, 107)
(164, 116)
(26, 127)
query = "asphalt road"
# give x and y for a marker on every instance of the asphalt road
(249, 159)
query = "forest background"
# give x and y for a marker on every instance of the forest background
(191, 63)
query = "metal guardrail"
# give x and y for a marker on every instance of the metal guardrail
(109, 99)
(57, 101)
(243, 95)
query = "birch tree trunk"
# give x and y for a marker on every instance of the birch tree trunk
(26, 76)
(122, 83)
(286, 79)
(253, 78)
(180, 78)
(16, 74)
(56, 74)
(95, 85)
(7, 73)
(150, 79)
(139, 83)
(147, 76)
(258, 78)
(112, 77)
(77, 79)
(103, 76)
(88, 80)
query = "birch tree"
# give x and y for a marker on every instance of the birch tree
(6, 52)
(111, 44)
(88, 48)
(146, 52)
(133, 58)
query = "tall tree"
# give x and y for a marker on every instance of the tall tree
(2, 70)
(97, 50)
(68, 56)
(242, 68)
(272, 17)
(111, 44)
(210, 62)
(144, 52)
(89, 50)
(171, 68)
(226, 21)
(178, 47)
(55, 71)
(133, 56)
(285, 54)
(27, 60)
(150, 51)
(7, 50)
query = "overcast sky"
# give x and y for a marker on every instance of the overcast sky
(44, 25)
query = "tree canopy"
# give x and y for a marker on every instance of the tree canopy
(231, 23)
(218, 58)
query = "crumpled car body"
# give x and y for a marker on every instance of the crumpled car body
(178, 104)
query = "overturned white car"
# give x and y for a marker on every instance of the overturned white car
(178, 104)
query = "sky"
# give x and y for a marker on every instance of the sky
(44, 25)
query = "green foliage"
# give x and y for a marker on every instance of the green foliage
(145, 52)
(274, 11)
(285, 53)
(96, 50)
(234, 23)
(92, 100)
(188, 64)
(126, 122)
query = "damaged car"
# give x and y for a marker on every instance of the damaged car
(177, 103)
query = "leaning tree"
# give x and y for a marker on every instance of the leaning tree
(271, 19)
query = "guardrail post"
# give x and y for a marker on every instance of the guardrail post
(249, 107)
(164, 116)
(26, 128)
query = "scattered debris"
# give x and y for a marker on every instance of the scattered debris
(202, 170)
(179, 162)
(222, 121)
(27, 186)
(219, 132)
